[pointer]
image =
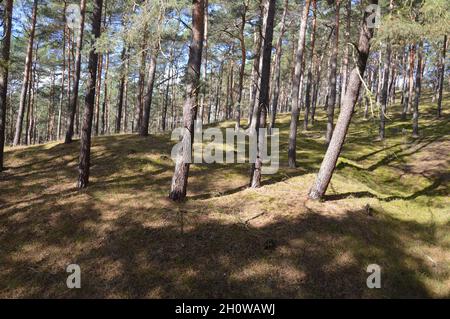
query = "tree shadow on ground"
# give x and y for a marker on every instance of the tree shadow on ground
(311, 255)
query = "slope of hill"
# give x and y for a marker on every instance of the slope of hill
(388, 204)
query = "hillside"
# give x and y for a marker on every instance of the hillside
(388, 205)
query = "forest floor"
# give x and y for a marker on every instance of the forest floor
(388, 204)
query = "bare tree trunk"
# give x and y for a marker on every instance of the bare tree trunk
(26, 77)
(140, 98)
(74, 99)
(63, 74)
(264, 99)
(205, 64)
(125, 103)
(277, 67)
(85, 149)
(333, 70)
(418, 88)
(412, 59)
(346, 50)
(384, 90)
(441, 77)
(311, 68)
(334, 149)
(181, 173)
(243, 62)
(317, 83)
(105, 97)
(123, 76)
(149, 94)
(292, 153)
(4, 72)
(255, 71)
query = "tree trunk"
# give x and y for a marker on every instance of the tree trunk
(292, 153)
(441, 77)
(73, 104)
(4, 71)
(181, 173)
(264, 87)
(316, 86)
(98, 95)
(346, 50)
(63, 74)
(277, 68)
(334, 149)
(255, 70)
(412, 58)
(123, 76)
(140, 98)
(333, 70)
(384, 91)
(311, 67)
(149, 94)
(243, 62)
(26, 77)
(85, 149)
(105, 97)
(417, 90)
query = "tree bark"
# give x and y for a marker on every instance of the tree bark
(4, 72)
(63, 74)
(76, 83)
(346, 49)
(292, 152)
(26, 77)
(181, 173)
(311, 68)
(264, 99)
(333, 71)
(149, 94)
(123, 76)
(441, 77)
(277, 68)
(334, 149)
(255, 70)
(412, 59)
(417, 90)
(243, 62)
(85, 144)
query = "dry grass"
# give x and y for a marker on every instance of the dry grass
(228, 241)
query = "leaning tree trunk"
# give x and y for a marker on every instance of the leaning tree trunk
(334, 149)
(74, 98)
(263, 101)
(292, 153)
(26, 78)
(277, 68)
(143, 131)
(333, 71)
(417, 90)
(441, 77)
(85, 145)
(311, 68)
(4, 70)
(181, 173)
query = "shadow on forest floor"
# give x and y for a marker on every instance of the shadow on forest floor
(387, 204)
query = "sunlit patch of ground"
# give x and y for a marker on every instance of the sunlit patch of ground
(388, 204)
